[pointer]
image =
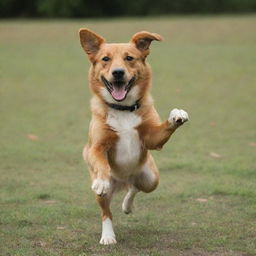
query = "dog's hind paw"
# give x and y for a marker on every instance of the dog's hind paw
(108, 239)
(108, 235)
(178, 117)
(101, 187)
(127, 209)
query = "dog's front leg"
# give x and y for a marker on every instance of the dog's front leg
(99, 168)
(155, 136)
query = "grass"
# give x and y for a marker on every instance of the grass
(206, 202)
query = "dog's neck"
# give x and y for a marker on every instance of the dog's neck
(130, 108)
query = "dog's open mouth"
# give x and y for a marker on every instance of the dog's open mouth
(118, 89)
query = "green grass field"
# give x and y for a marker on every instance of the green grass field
(206, 201)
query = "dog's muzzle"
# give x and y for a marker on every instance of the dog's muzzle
(118, 88)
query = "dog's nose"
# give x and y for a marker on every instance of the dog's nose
(118, 73)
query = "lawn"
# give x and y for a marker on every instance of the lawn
(206, 201)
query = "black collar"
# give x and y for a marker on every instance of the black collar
(124, 108)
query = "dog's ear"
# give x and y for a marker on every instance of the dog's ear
(143, 39)
(90, 41)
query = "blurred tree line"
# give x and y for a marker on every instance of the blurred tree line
(105, 8)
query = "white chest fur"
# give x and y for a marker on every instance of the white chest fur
(128, 147)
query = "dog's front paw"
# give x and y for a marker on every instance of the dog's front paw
(101, 187)
(177, 117)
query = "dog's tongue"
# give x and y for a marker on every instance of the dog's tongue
(119, 93)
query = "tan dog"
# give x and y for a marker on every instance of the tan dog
(125, 124)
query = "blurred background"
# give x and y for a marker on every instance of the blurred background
(117, 8)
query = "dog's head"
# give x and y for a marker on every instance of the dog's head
(119, 72)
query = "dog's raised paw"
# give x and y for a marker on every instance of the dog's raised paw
(178, 117)
(101, 187)
(127, 208)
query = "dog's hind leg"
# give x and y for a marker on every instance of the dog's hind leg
(128, 200)
(108, 235)
(146, 181)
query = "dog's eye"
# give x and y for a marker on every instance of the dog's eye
(129, 58)
(106, 58)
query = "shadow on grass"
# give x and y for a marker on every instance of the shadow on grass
(135, 241)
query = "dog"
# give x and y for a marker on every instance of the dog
(124, 124)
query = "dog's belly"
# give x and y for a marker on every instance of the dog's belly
(128, 147)
(128, 150)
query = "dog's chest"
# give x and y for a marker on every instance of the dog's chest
(128, 147)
